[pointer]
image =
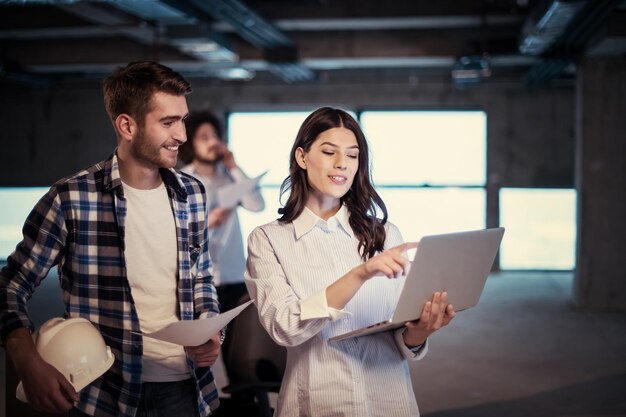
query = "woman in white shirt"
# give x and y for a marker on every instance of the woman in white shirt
(311, 274)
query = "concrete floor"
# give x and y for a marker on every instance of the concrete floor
(523, 351)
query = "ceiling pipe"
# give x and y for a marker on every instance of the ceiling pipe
(570, 45)
(542, 29)
(279, 50)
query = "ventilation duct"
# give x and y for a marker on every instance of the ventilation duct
(545, 25)
(572, 41)
(280, 51)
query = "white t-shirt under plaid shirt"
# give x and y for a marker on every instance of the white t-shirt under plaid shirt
(79, 225)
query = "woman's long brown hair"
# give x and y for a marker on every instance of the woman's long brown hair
(361, 200)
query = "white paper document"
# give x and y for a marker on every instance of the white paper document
(196, 332)
(230, 195)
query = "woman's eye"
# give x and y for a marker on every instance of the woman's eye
(327, 153)
(353, 156)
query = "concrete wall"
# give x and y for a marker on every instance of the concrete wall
(600, 280)
(51, 132)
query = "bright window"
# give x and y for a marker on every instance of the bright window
(425, 211)
(540, 228)
(262, 142)
(15, 205)
(409, 150)
(427, 147)
(447, 149)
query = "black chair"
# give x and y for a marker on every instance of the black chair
(255, 363)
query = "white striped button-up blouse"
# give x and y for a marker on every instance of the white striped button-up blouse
(289, 267)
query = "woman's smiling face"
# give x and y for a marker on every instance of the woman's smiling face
(331, 164)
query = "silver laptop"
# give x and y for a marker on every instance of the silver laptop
(458, 263)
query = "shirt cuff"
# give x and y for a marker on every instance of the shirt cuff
(316, 307)
(407, 352)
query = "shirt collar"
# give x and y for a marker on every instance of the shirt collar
(307, 220)
(113, 180)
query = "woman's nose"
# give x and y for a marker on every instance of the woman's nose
(340, 162)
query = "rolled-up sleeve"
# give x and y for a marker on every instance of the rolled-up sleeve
(44, 236)
(316, 307)
(289, 320)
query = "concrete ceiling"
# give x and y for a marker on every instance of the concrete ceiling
(284, 41)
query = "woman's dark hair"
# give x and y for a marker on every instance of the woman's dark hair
(192, 123)
(361, 200)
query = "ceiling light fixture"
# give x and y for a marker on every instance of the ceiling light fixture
(470, 70)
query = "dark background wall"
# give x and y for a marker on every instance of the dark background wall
(52, 132)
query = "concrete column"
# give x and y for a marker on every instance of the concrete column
(600, 279)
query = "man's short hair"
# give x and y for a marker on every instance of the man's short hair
(129, 89)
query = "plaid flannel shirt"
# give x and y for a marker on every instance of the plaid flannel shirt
(79, 226)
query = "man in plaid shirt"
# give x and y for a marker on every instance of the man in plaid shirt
(129, 238)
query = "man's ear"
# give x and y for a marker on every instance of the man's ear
(300, 158)
(125, 126)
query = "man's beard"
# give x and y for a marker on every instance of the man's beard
(142, 150)
(207, 161)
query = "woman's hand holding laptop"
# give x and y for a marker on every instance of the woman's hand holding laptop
(449, 268)
(436, 314)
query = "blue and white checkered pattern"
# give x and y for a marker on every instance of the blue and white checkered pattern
(79, 227)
